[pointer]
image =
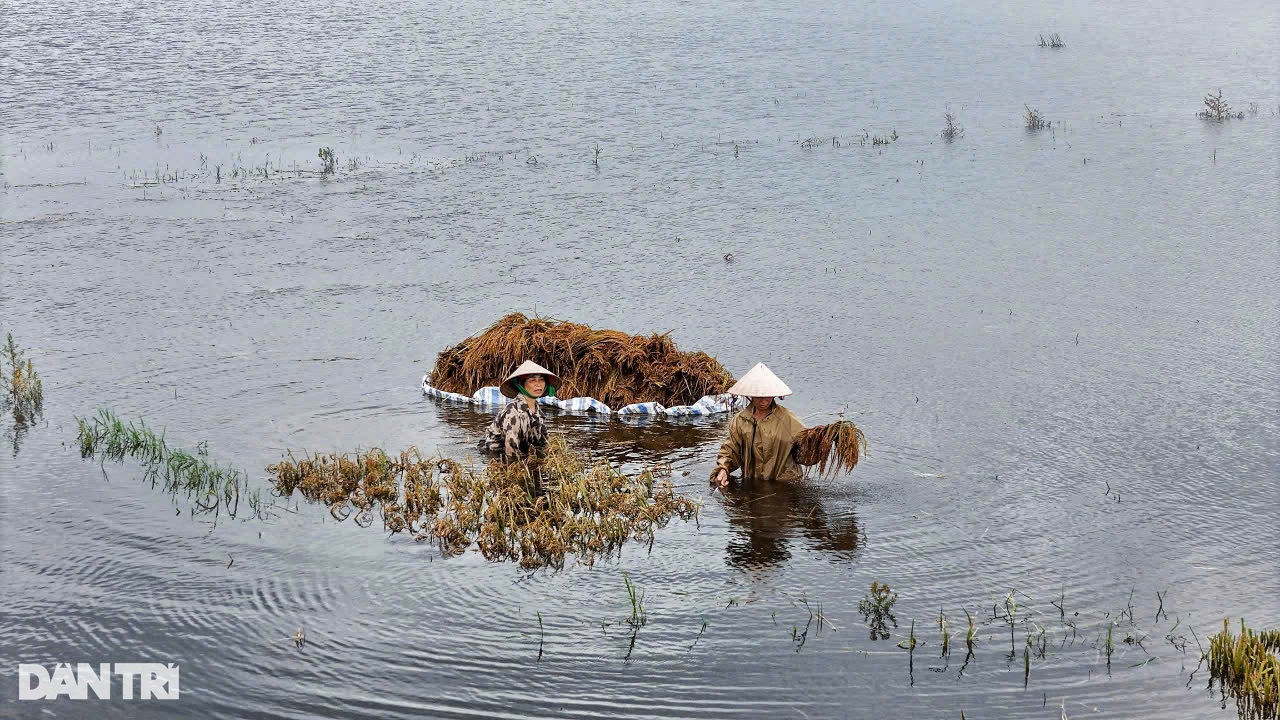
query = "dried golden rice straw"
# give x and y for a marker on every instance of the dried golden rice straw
(613, 367)
(833, 448)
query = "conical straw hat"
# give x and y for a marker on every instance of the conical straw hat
(760, 382)
(528, 367)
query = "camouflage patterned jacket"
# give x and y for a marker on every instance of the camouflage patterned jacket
(516, 431)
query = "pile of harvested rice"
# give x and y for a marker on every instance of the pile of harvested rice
(532, 513)
(833, 448)
(611, 366)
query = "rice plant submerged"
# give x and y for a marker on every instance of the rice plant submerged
(23, 391)
(877, 610)
(211, 488)
(1246, 668)
(1217, 110)
(533, 513)
(1034, 119)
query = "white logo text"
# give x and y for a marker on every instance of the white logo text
(154, 681)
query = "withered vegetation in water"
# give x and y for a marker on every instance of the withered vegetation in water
(1217, 110)
(877, 610)
(533, 513)
(611, 366)
(1246, 668)
(1054, 40)
(833, 448)
(211, 487)
(23, 391)
(1034, 119)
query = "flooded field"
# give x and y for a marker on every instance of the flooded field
(1060, 340)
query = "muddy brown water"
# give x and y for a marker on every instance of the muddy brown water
(1062, 345)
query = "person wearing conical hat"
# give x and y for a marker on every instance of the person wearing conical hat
(520, 429)
(762, 435)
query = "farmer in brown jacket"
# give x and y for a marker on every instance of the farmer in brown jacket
(762, 436)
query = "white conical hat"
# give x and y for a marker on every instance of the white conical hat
(760, 382)
(528, 367)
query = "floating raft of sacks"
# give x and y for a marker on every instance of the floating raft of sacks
(603, 371)
(489, 397)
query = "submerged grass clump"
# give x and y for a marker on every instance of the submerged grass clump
(636, 596)
(833, 448)
(363, 483)
(1217, 110)
(1034, 119)
(889, 139)
(613, 367)
(23, 389)
(1053, 40)
(211, 487)
(951, 129)
(877, 610)
(1245, 667)
(328, 161)
(532, 513)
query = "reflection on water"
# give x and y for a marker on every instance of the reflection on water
(767, 518)
(623, 441)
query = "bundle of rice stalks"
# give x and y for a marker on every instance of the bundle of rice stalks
(534, 514)
(1246, 669)
(833, 448)
(613, 367)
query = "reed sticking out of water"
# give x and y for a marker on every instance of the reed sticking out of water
(909, 644)
(1054, 40)
(23, 391)
(1011, 614)
(1026, 663)
(533, 513)
(877, 610)
(1245, 668)
(1270, 639)
(638, 615)
(946, 634)
(1034, 119)
(833, 448)
(970, 635)
(1217, 110)
(542, 636)
(891, 138)
(701, 631)
(1110, 645)
(210, 487)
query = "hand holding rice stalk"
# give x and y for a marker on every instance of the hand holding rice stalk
(833, 448)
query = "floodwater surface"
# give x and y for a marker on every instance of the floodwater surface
(1061, 344)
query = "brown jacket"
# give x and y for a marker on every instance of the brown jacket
(763, 449)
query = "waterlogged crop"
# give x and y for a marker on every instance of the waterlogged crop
(212, 488)
(877, 610)
(534, 513)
